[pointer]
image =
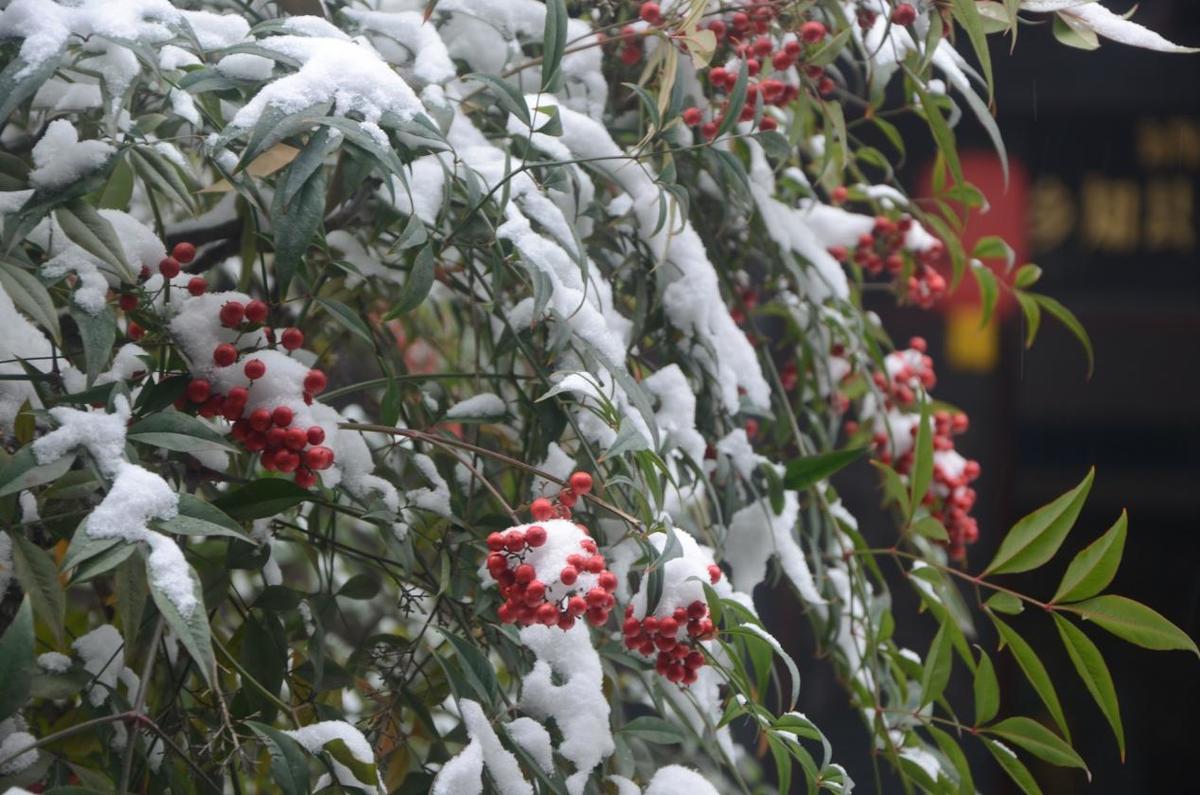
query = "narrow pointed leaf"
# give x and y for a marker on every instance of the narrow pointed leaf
(987, 690)
(1034, 539)
(1037, 740)
(1034, 671)
(805, 472)
(1134, 622)
(1094, 567)
(1094, 673)
(1014, 767)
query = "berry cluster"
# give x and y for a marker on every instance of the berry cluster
(170, 267)
(950, 498)
(269, 430)
(673, 639)
(551, 572)
(543, 509)
(760, 38)
(883, 249)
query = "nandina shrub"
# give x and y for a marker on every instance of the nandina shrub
(411, 399)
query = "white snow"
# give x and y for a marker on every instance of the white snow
(578, 706)
(755, 533)
(315, 736)
(486, 404)
(12, 744)
(679, 780)
(60, 158)
(102, 652)
(534, 739)
(6, 563)
(54, 662)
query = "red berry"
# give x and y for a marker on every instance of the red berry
(741, 21)
(260, 420)
(316, 434)
(904, 14)
(232, 313)
(535, 591)
(256, 311)
(135, 331)
(318, 458)
(782, 60)
(697, 609)
(792, 47)
(255, 369)
(514, 540)
(607, 580)
(812, 32)
(631, 54)
(650, 625)
(718, 28)
(287, 460)
(709, 130)
(651, 13)
(767, 123)
(547, 614)
(292, 338)
(315, 382)
(714, 573)
(184, 252)
(197, 286)
(577, 605)
(295, 439)
(525, 573)
(717, 76)
(168, 267)
(595, 564)
(128, 302)
(224, 354)
(541, 509)
(535, 536)
(495, 542)
(839, 195)
(668, 626)
(568, 498)
(282, 416)
(693, 116)
(581, 482)
(568, 575)
(198, 390)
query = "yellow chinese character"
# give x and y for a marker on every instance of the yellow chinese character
(1170, 214)
(1111, 214)
(1051, 214)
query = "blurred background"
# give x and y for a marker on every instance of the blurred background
(1105, 197)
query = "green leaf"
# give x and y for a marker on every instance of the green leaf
(942, 134)
(986, 690)
(1034, 671)
(262, 498)
(294, 225)
(348, 318)
(1015, 769)
(94, 234)
(554, 42)
(289, 762)
(363, 772)
(360, 586)
(930, 528)
(967, 15)
(893, 487)
(1005, 603)
(803, 473)
(1095, 566)
(954, 752)
(937, 667)
(199, 517)
(31, 297)
(99, 332)
(1068, 319)
(737, 98)
(193, 630)
(922, 468)
(1092, 670)
(1037, 740)
(654, 730)
(1134, 622)
(38, 576)
(480, 674)
(23, 471)
(1034, 539)
(14, 90)
(1027, 275)
(264, 656)
(174, 430)
(507, 95)
(988, 291)
(1075, 34)
(17, 664)
(1032, 313)
(417, 285)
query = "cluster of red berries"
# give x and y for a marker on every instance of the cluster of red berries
(543, 509)
(170, 267)
(882, 250)
(577, 585)
(673, 640)
(903, 14)
(270, 431)
(951, 497)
